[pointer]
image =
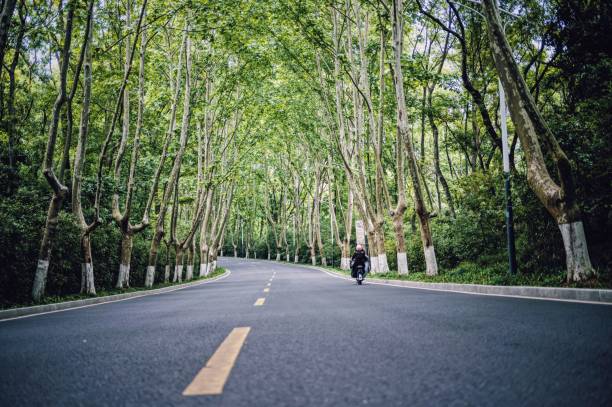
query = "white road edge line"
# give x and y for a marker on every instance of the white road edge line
(221, 277)
(470, 293)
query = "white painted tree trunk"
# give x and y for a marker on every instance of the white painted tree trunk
(431, 264)
(278, 256)
(576, 251)
(123, 280)
(150, 276)
(314, 260)
(214, 266)
(167, 273)
(178, 273)
(383, 264)
(254, 255)
(189, 274)
(345, 263)
(202, 269)
(87, 279)
(121, 276)
(288, 257)
(268, 255)
(124, 275)
(296, 259)
(402, 263)
(40, 278)
(373, 264)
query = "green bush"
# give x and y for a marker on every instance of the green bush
(22, 218)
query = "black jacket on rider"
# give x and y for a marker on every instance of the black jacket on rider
(360, 258)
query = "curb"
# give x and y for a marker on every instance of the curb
(579, 295)
(24, 312)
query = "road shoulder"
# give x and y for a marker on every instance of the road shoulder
(24, 312)
(581, 295)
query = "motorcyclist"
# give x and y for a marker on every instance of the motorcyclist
(359, 260)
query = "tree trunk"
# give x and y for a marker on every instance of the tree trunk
(190, 258)
(373, 251)
(402, 259)
(345, 261)
(436, 154)
(87, 274)
(166, 274)
(153, 250)
(178, 266)
(204, 248)
(381, 254)
(348, 228)
(423, 215)
(397, 214)
(123, 281)
(319, 243)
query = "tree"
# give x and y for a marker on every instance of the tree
(59, 190)
(559, 198)
(402, 124)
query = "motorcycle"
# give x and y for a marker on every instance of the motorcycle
(359, 272)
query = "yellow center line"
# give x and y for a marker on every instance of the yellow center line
(266, 290)
(211, 379)
(259, 302)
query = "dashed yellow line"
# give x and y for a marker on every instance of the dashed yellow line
(259, 302)
(211, 379)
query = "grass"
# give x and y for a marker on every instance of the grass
(106, 293)
(471, 273)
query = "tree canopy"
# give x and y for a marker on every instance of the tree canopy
(138, 134)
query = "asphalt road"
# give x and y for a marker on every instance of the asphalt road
(316, 341)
